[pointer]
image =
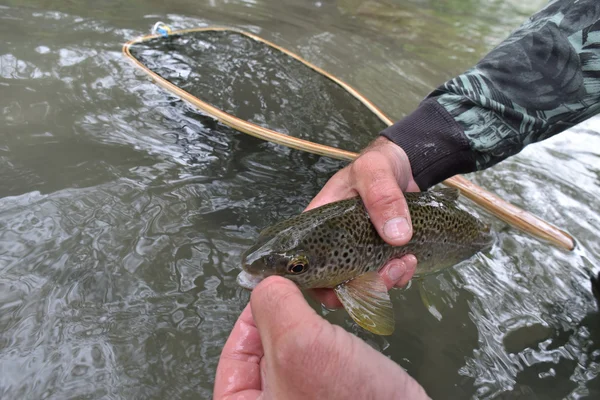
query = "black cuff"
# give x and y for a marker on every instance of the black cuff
(435, 144)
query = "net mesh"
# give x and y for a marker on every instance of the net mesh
(260, 84)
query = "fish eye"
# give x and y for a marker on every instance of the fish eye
(297, 266)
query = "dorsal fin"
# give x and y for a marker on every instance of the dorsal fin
(446, 193)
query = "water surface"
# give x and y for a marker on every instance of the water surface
(123, 211)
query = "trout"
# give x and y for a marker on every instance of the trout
(336, 246)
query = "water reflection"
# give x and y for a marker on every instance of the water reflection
(123, 211)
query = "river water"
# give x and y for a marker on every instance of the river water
(123, 211)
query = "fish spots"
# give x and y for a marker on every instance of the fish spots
(341, 242)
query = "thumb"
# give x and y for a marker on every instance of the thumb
(278, 308)
(377, 185)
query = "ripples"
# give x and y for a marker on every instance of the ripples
(77, 274)
(119, 247)
(257, 83)
(529, 297)
(13, 68)
(123, 211)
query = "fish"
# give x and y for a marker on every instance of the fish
(336, 246)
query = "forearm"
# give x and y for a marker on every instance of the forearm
(540, 81)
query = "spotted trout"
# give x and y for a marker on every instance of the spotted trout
(336, 246)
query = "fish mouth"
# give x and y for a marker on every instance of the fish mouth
(254, 267)
(248, 281)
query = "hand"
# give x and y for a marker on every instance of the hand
(379, 175)
(281, 349)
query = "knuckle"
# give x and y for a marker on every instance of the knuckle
(386, 197)
(376, 176)
(377, 181)
(364, 163)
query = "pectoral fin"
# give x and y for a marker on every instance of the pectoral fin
(368, 302)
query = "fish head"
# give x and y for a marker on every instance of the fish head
(279, 253)
(305, 249)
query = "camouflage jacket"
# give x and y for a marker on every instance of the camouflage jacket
(541, 80)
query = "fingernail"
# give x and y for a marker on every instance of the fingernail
(396, 228)
(396, 270)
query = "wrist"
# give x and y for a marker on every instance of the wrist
(434, 143)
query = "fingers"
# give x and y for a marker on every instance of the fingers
(376, 182)
(274, 301)
(238, 372)
(327, 297)
(398, 272)
(378, 175)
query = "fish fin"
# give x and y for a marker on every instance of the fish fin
(447, 193)
(368, 302)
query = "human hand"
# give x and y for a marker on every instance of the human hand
(379, 175)
(281, 349)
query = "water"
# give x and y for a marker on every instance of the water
(123, 212)
(262, 85)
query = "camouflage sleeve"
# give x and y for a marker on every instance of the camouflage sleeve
(538, 82)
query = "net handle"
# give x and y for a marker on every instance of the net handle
(500, 208)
